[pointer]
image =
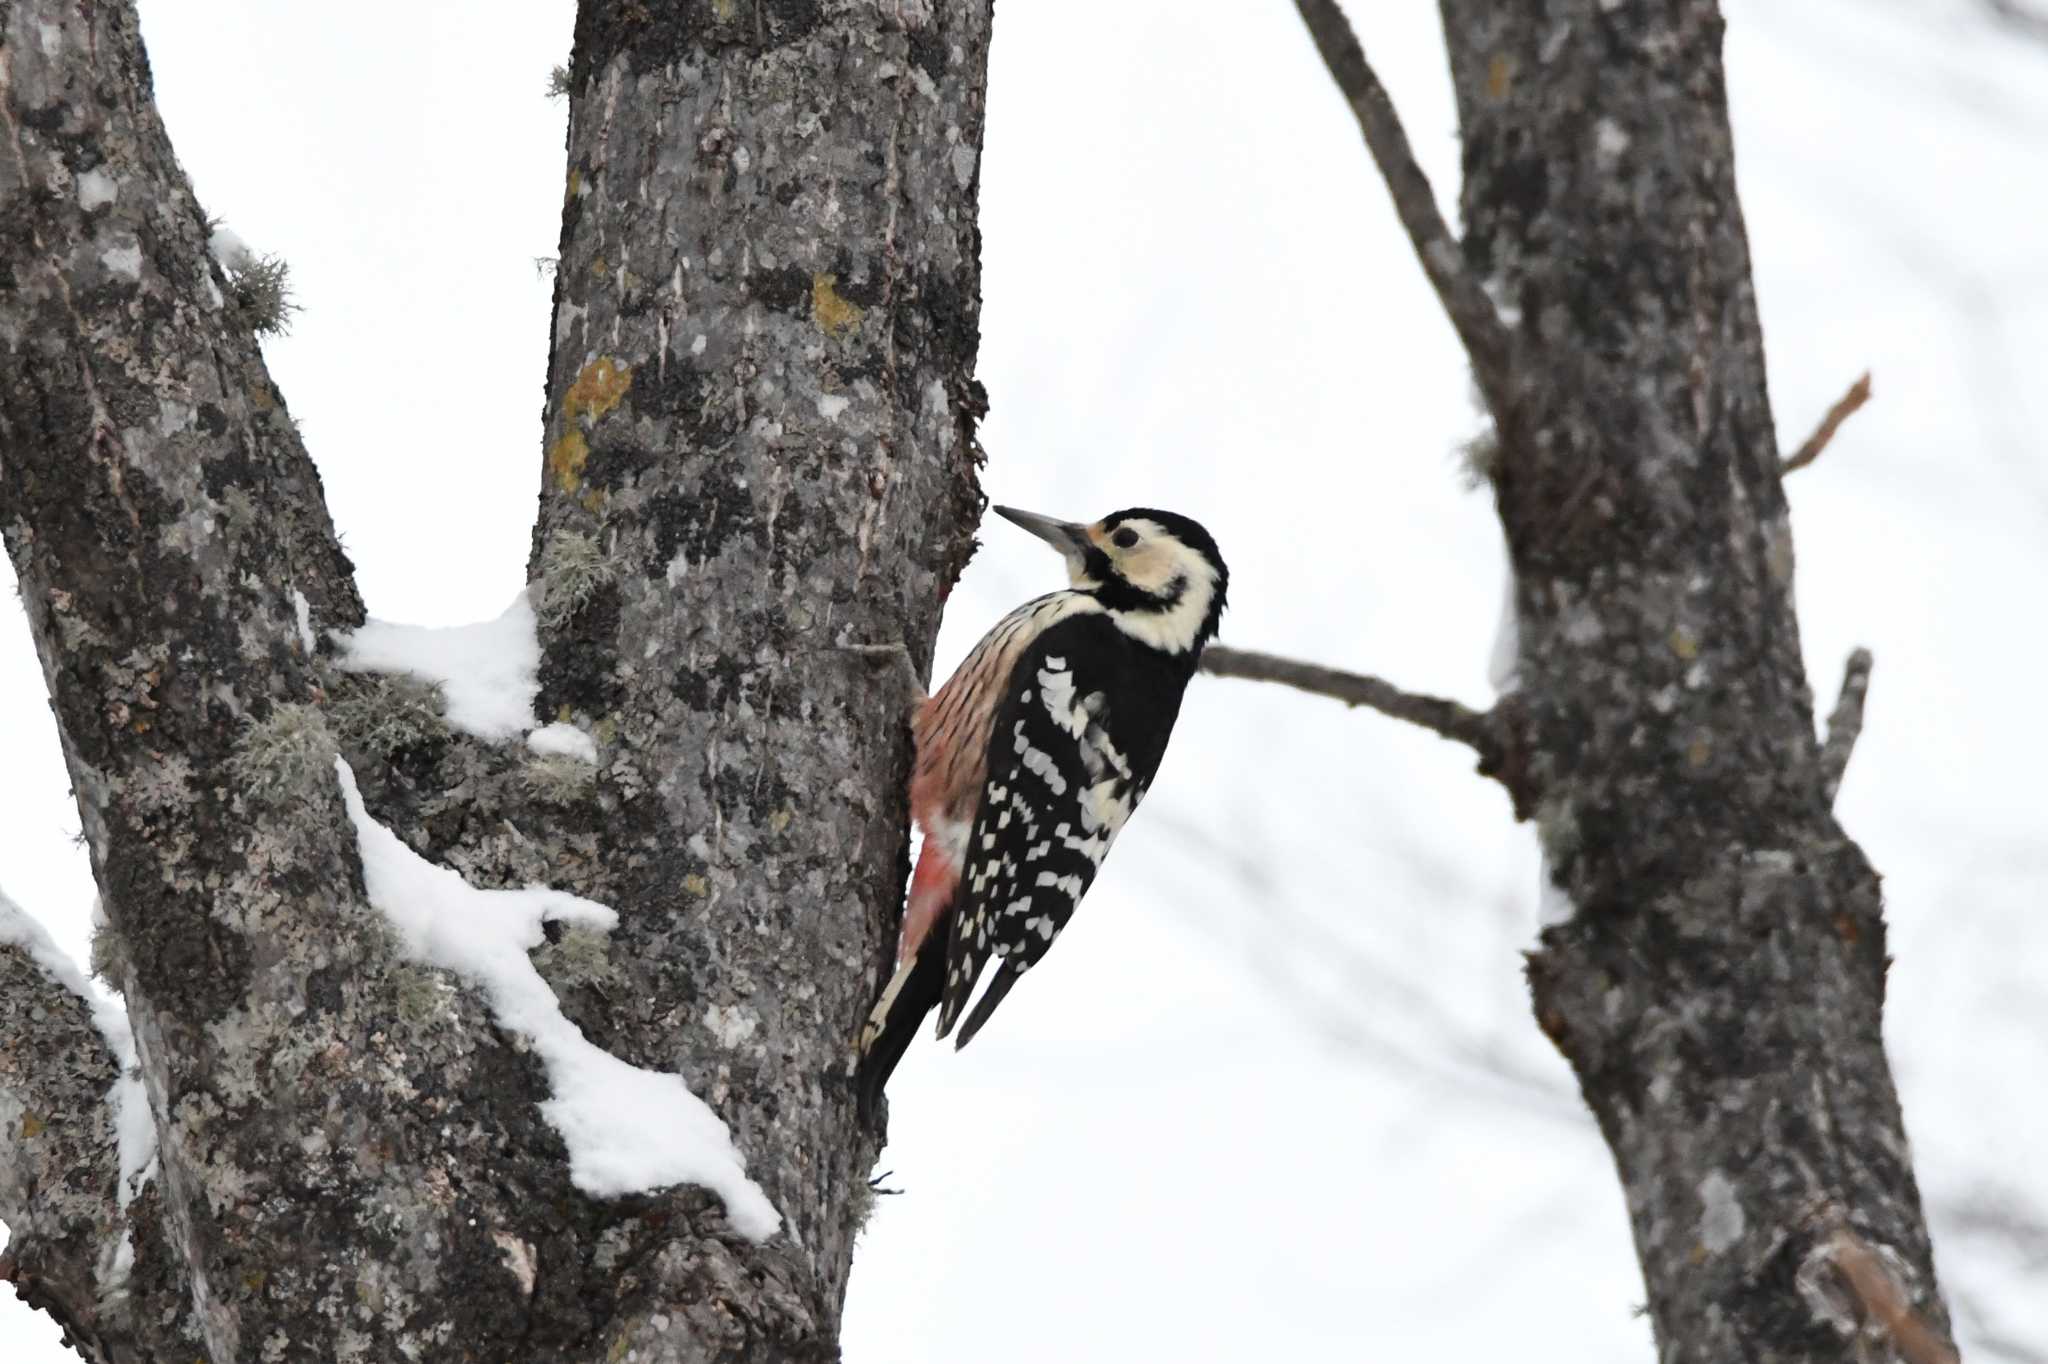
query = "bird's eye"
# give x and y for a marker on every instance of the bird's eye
(1125, 538)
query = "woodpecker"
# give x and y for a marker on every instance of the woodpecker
(1030, 759)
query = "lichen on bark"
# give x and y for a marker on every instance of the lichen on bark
(1718, 990)
(759, 445)
(762, 404)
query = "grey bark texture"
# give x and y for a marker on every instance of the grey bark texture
(92, 1255)
(1719, 989)
(1719, 986)
(58, 1173)
(759, 447)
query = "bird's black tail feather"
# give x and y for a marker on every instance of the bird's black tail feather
(913, 993)
(1008, 973)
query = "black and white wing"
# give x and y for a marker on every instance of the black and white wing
(1057, 792)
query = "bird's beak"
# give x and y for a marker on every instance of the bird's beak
(1064, 536)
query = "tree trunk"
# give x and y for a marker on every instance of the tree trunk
(1719, 986)
(759, 447)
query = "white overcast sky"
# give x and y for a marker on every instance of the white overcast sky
(1277, 1094)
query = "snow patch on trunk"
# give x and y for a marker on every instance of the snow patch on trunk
(127, 1103)
(564, 740)
(628, 1130)
(488, 672)
(1507, 643)
(302, 610)
(230, 250)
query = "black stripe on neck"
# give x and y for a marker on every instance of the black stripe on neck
(1120, 594)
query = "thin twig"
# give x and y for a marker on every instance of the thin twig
(1884, 1301)
(1433, 713)
(1846, 723)
(2028, 20)
(1844, 408)
(1478, 326)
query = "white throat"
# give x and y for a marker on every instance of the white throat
(1173, 630)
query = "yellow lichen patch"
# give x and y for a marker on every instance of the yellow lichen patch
(592, 499)
(565, 461)
(1500, 73)
(598, 388)
(696, 885)
(833, 314)
(1698, 752)
(726, 9)
(1684, 644)
(31, 1126)
(779, 820)
(575, 183)
(598, 267)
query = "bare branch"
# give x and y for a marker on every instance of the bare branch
(1433, 713)
(2027, 19)
(1844, 408)
(1472, 314)
(1884, 1301)
(1845, 724)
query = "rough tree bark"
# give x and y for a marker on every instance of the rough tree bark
(1718, 989)
(759, 447)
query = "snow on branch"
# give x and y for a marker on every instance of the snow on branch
(1845, 407)
(1845, 723)
(628, 1130)
(1472, 314)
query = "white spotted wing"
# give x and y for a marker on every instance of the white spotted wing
(1057, 791)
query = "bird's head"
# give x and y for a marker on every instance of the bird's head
(1158, 573)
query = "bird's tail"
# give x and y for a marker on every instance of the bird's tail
(1008, 972)
(909, 996)
(920, 978)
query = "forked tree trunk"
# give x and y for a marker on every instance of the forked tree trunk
(759, 447)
